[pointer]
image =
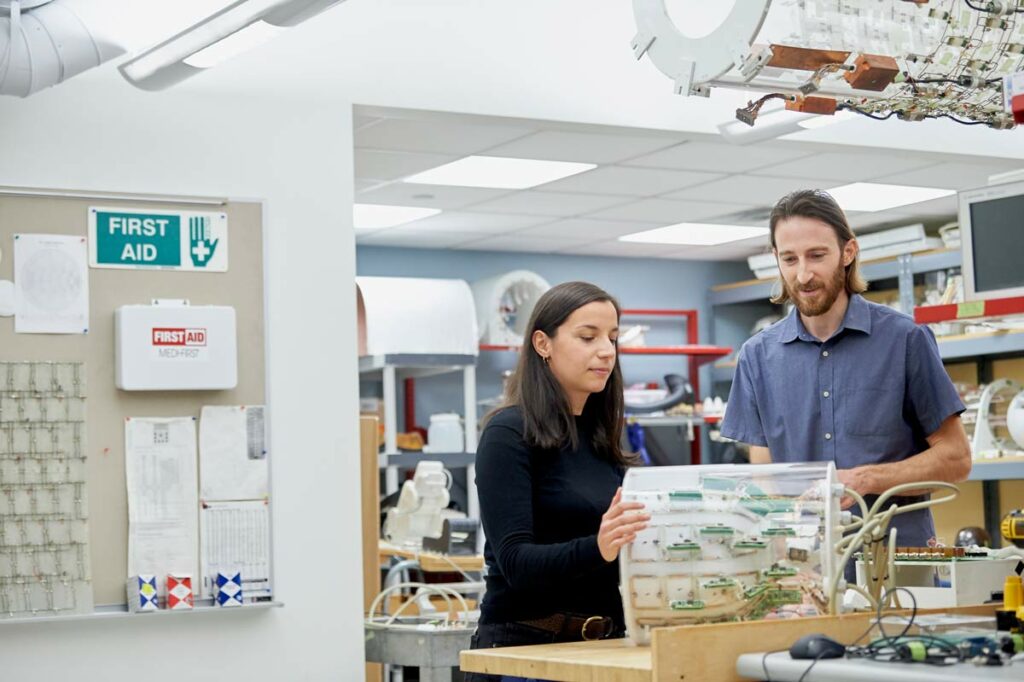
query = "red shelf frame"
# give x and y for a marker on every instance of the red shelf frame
(698, 354)
(971, 310)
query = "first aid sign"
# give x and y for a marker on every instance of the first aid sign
(166, 240)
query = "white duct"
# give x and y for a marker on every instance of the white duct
(45, 42)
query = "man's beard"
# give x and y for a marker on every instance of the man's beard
(825, 301)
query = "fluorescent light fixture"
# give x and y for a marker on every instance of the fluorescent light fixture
(499, 172)
(378, 216)
(695, 234)
(239, 26)
(777, 122)
(823, 120)
(254, 34)
(869, 196)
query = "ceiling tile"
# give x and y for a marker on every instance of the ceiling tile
(720, 158)
(617, 249)
(519, 242)
(376, 165)
(557, 145)
(466, 221)
(640, 182)
(550, 203)
(442, 137)
(848, 166)
(935, 208)
(584, 228)
(430, 196)
(732, 251)
(364, 185)
(665, 211)
(751, 190)
(946, 175)
(399, 236)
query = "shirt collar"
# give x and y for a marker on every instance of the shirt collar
(858, 317)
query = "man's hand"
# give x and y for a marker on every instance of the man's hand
(860, 480)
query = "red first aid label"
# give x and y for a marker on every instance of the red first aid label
(168, 336)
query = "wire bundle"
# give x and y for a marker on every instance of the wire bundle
(869, 533)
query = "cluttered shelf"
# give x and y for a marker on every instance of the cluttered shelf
(1002, 469)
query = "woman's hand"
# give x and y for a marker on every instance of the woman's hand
(619, 526)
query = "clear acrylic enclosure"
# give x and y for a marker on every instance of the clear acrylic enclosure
(728, 543)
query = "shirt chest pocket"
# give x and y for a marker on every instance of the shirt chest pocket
(866, 411)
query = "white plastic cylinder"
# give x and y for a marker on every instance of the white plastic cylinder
(504, 305)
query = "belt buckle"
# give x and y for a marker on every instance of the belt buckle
(583, 630)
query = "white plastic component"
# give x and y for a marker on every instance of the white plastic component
(50, 42)
(986, 444)
(504, 305)
(175, 347)
(970, 581)
(439, 310)
(689, 61)
(420, 506)
(1015, 419)
(728, 542)
(445, 433)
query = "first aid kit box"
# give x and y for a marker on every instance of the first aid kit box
(173, 346)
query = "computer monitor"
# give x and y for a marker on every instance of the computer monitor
(992, 241)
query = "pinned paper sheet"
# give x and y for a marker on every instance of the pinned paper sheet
(163, 505)
(236, 539)
(6, 298)
(233, 453)
(51, 281)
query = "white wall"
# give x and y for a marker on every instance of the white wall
(299, 160)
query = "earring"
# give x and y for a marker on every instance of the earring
(546, 358)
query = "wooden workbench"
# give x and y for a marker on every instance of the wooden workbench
(432, 562)
(609, 660)
(690, 653)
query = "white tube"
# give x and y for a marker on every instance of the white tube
(48, 44)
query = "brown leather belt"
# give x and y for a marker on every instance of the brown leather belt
(568, 627)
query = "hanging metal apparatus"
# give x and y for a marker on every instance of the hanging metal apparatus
(913, 59)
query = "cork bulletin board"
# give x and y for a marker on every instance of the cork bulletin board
(240, 286)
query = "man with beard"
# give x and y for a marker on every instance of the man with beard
(842, 379)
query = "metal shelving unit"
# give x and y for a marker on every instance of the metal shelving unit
(976, 345)
(391, 369)
(997, 470)
(409, 460)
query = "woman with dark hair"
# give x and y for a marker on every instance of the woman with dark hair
(548, 469)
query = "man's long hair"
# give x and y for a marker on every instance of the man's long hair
(817, 204)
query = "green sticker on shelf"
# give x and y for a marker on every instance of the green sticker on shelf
(970, 309)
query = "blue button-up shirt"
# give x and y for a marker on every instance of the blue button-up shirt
(871, 393)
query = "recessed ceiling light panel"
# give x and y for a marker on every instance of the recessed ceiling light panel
(869, 196)
(696, 234)
(499, 172)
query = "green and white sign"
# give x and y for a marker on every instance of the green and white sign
(158, 240)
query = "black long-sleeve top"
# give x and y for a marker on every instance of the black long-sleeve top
(541, 510)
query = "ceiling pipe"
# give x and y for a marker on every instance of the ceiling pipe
(46, 42)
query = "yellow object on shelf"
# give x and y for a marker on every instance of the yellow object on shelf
(1013, 593)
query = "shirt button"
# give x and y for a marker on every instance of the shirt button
(828, 436)
(825, 394)
(824, 353)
